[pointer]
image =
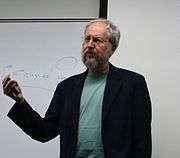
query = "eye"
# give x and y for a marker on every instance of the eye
(95, 40)
(87, 38)
(98, 40)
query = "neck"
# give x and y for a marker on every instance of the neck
(103, 69)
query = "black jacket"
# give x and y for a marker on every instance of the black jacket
(126, 116)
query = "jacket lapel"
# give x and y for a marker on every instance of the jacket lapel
(72, 109)
(75, 97)
(113, 85)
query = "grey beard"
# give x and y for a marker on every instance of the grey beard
(96, 62)
(91, 64)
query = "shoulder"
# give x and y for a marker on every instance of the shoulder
(128, 78)
(125, 73)
(71, 80)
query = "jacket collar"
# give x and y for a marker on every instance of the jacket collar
(113, 85)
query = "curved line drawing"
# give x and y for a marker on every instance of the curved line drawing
(58, 72)
(68, 59)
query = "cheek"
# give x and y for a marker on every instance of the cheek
(102, 50)
(82, 46)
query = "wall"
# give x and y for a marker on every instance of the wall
(150, 45)
(49, 9)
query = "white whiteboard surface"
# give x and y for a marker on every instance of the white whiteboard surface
(38, 55)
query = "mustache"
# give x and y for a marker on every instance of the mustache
(88, 50)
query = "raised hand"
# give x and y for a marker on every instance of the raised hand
(12, 89)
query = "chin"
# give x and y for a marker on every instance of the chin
(91, 63)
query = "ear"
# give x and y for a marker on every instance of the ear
(111, 53)
(112, 50)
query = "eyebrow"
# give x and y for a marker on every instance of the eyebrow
(97, 36)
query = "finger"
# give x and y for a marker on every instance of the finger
(8, 87)
(9, 90)
(5, 80)
(15, 90)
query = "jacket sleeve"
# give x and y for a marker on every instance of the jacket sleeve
(38, 128)
(141, 141)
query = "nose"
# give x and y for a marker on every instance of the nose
(90, 43)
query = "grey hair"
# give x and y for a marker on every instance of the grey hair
(113, 31)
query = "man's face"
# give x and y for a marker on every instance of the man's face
(96, 48)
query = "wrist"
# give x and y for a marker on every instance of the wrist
(20, 101)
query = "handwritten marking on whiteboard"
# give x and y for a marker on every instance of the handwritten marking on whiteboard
(62, 69)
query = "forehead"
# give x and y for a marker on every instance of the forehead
(97, 29)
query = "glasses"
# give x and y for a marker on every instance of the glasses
(95, 40)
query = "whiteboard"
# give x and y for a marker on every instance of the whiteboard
(38, 56)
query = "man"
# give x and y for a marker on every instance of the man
(104, 112)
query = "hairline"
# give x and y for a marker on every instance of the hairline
(110, 30)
